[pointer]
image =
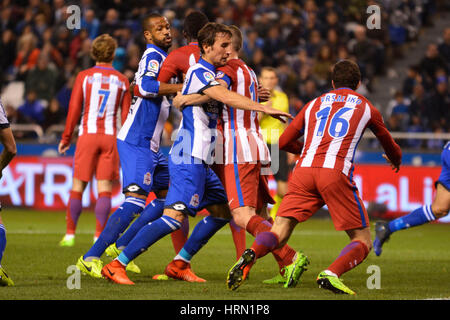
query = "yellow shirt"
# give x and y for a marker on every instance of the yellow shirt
(273, 128)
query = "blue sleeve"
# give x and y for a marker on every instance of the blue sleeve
(223, 76)
(148, 84)
(206, 78)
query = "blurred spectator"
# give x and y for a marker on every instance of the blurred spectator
(323, 64)
(27, 55)
(41, 80)
(444, 47)
(91, 24)
(364, 51)
(438, 105)
(414, 127)
(8, 50)
(32, 111)
(83, 58)
(430, 64)
(399, 107)
(53, 114)
(418, 104)
(412, 78)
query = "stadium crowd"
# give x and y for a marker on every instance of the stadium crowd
(302, 39)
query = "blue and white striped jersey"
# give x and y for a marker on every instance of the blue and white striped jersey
(145, 121)
(197, 132)
(4, 123)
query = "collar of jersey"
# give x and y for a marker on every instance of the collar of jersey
(193, 43)
(151, 45)
(344, 88)
(207, 65)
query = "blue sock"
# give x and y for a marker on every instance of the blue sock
(151, 212)
(417, 217)
(147, 236)
(202, 232)
(2, 241)
(116, 224)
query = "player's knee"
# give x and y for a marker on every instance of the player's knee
(440, 211)
(242, 215)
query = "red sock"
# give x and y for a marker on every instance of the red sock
(238, 234)
(73, 212)
(352, 255)
(102, 211)
(283, 255)
(180, 236)
(264, 243)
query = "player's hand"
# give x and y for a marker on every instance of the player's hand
(62, 148)
(263, 94)
(179, 101)
(396, 168)
(277, 114)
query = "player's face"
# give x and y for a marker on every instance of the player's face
(159, 33)
(220, 51)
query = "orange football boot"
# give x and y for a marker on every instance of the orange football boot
(115, 271)
(181, 270)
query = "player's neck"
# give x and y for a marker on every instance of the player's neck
(104, 64)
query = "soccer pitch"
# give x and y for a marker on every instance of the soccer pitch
(414, 265)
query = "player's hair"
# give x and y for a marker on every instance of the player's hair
(145, 22)
(237, 40)
(346, 74)
(207, 34)
(193, 22)
(270, 69)
(103, 48)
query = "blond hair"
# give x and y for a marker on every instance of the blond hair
(103, 48)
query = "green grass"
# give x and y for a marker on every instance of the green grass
(415, 264)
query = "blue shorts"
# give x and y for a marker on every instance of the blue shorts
(142, 169)
(444, 177)
(193, 186)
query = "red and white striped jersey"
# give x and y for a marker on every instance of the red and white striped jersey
(178, 62)
(333, 125)
(242, 138)
(97, 94)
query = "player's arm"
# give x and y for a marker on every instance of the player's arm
(9, 146)
(148, 86)
(222, 94)
(126, 102)
(393, 152)
(193, 99)
(74, 113)
(289, 139)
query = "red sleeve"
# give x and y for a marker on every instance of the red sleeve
(289, 139)
(392, 149)
(170, 68)
(126, 102)
(75, 106)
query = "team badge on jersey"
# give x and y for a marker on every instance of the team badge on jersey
(195, 200)
(220, 75)
(147, 178)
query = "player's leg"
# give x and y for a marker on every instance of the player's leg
(348, 214)
(215, 201)
(102, 206)
(183, 190)
(438, 209)
(146, 237)
(73, 211)
(5, 280)
(107, 171)
(135, 163)
(422, 215)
